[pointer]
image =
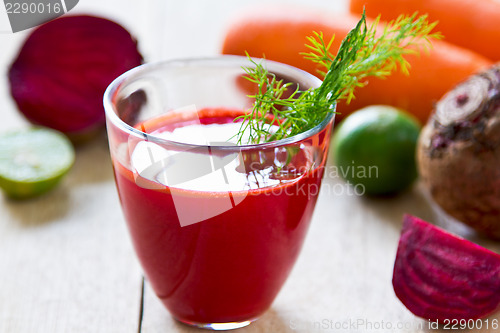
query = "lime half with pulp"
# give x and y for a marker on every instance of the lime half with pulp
(33, 161)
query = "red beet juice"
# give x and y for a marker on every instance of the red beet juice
(228, 267)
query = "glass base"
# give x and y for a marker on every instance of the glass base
(218, 326)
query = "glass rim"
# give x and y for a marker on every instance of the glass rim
(272, 66)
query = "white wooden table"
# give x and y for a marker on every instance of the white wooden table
(66, 261)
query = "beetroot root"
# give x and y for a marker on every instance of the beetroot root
(439, 276)
(459, 153)
(62, 70)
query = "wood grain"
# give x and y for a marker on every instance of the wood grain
(66, 262)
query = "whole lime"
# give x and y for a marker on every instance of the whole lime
(375, 148)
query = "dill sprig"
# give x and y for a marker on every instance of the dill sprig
(363, 53)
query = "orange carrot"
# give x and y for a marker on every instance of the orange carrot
(280, 34)
(473, 24)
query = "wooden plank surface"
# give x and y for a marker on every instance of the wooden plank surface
(342, 280)
(66, 262)
(63, 266)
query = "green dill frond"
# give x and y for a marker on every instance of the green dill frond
(363, 53)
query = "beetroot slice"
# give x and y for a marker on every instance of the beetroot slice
(62, 70)
(440, 276)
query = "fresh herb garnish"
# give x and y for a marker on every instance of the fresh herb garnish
(363, 53)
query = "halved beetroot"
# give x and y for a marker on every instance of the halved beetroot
(62, 70)
(440, 276)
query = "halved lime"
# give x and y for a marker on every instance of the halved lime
(33, 161)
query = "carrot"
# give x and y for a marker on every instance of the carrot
(280, 34)
(473, 24)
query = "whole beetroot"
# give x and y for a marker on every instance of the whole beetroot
(459, 152)
(62, 70)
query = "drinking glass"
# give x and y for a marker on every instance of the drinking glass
(217, 227)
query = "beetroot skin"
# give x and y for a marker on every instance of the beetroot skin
(440, 276)
(62, 70)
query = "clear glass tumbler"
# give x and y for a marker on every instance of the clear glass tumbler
(216, 226)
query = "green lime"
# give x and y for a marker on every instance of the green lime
(375, 148)
(33, 161)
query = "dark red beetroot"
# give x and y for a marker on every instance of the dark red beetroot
(440, 276)
(458, 152)
(60, 75)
